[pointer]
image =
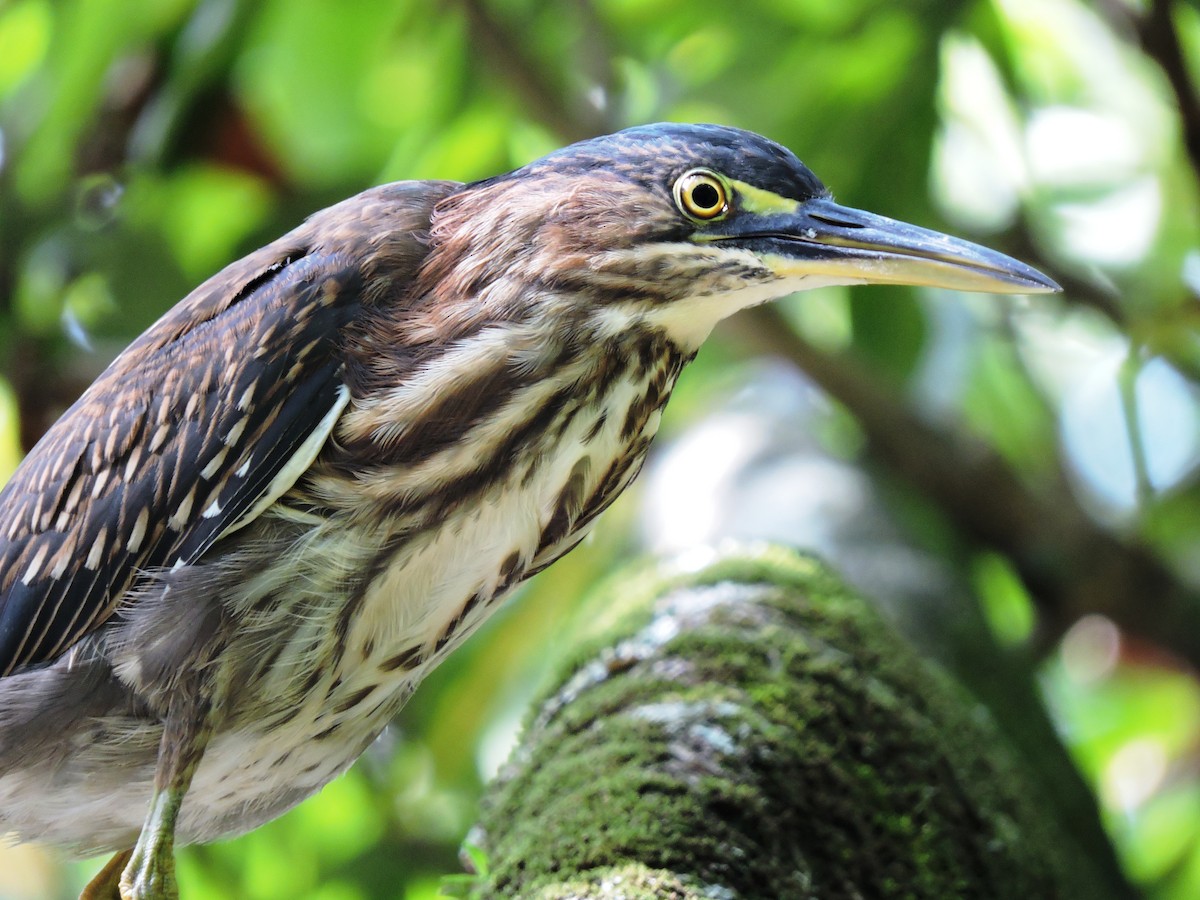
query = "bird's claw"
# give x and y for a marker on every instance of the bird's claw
(149, 879)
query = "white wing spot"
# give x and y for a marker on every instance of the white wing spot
(101, 481)
(160, 437)
(164, 409)
(131, 467)
(184, 511)
(42, 519)
(110, 445)
(235, 433)
(35, 565)
(214, 464)
(74, 497)
(139, 531)
(97, 552)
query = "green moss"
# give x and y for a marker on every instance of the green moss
(632, 882)
(754, 728)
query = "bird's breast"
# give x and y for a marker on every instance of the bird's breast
(344, 595)
(495, 511)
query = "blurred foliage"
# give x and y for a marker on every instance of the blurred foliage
(145, 143)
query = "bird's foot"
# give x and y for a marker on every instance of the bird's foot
(106, 884)
(150, 874)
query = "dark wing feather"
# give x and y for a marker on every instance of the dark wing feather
(196, 425)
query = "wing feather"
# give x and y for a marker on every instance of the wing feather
(119, 485)
(194, 429)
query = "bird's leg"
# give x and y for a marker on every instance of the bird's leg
(106, 884)
(150, 873)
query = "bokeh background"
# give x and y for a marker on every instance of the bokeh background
(1017, 481)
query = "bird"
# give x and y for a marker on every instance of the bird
(228, 565)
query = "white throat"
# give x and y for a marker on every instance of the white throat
(690, 321)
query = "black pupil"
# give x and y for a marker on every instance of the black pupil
(705, 196)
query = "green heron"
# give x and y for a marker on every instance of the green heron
(229, 564)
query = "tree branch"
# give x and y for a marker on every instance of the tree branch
(753, 729)
(1154, 31)
(544, 100)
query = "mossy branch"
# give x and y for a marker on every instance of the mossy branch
(752, 729)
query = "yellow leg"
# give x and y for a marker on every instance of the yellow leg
(105, 885)
(150, 872)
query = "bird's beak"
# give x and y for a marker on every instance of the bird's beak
(819, 238)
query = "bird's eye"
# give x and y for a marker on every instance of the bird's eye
(701, 194)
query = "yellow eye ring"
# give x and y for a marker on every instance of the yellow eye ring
(701, 195)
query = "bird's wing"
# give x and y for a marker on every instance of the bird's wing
(193, 431)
